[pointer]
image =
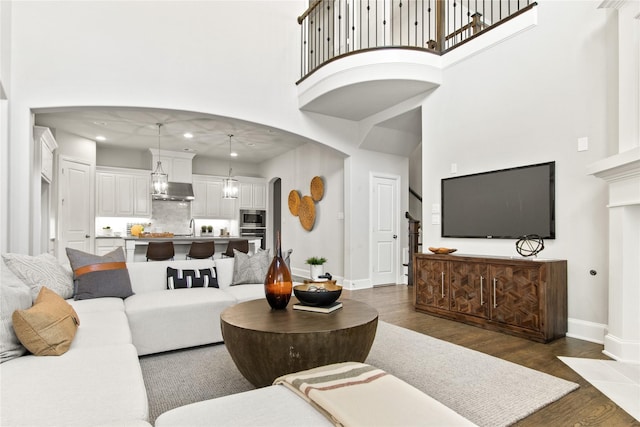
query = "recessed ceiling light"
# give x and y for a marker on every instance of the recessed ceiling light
(101, 123)
(189, 150)
(100, 138)
(233, 154)
(188, 135)
(251, 144)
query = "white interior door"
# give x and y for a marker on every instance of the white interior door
(74, 207)
(385, 208)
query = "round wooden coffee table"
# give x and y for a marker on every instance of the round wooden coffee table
(266, 344)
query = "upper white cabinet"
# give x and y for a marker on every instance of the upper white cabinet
(176, 164)
(47, 146)
(253, 193)
(123, 192)
(208, 201)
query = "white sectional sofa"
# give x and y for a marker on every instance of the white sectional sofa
(98, 381)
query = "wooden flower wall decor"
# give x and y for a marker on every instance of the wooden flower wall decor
(304, 207)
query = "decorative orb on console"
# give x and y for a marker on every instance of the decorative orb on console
(529, 245)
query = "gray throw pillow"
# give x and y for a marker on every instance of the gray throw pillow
(97, 276)
(41, 270)
(250, 268)
(14, 295)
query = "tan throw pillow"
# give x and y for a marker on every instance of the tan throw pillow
(47, 328)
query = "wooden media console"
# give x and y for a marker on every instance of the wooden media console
(518, 296)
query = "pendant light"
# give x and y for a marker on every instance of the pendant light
(159, 179)
(230, 185)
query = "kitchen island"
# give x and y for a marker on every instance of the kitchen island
(136, 247)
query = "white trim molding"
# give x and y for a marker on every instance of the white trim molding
(586, 331)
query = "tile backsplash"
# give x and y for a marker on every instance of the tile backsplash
(170, 216)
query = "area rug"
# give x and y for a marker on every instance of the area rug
(486, 390)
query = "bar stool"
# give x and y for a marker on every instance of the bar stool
(241, 245)
(202, 250)
(160, 251)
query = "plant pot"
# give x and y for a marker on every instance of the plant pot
(316, 271)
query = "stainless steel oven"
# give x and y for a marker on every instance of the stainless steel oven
(253, 218)
(255, 233)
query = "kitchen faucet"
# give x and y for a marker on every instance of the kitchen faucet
(192, 226)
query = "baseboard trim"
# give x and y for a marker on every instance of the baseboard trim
(353, 285)
(586, 331)
(621, 350)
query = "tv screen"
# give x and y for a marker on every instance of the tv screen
(501, 204)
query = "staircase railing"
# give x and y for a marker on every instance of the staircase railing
(331, 29)
(414, 244)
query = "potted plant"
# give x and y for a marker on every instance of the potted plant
(203, 229)
(106, 231)
(316, 266)
(209, 229)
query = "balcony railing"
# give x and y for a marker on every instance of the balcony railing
(334, 28)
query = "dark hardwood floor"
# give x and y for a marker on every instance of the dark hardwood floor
(586, 406)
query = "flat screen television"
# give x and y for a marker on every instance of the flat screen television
(501, 204)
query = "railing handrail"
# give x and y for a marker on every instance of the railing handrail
(308, 11)
(345, 27)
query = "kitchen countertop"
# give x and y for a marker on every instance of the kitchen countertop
(180, 238)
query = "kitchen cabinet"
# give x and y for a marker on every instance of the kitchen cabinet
(123, 192)
(522, 297)
(107, 244)
(208, 202)
(177, 165)
(253, 194)
(47, 145)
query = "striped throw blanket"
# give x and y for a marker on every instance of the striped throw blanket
(357, 394)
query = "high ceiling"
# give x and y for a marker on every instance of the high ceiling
(137, 128)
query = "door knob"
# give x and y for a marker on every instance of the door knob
(395, 236)
(87, 236)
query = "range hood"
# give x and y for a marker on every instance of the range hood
(177, 191)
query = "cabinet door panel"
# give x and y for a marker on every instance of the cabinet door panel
(469, 288)
(199, 204)
(142, 202)
(260, 196)
(431, 282)
(124, 195)
(515, 296)
(106, 194)
(214, 199)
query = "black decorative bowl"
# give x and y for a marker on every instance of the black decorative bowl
(318, 294)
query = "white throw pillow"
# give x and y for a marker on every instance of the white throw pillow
(14, 295)
(41, 270)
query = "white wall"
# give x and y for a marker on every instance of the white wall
(357, 201)
(218, 57)
(527, 101)
(296, 169)
(5, 86)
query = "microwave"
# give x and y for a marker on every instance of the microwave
(252, 218)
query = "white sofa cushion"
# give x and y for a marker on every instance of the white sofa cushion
(83, 387)
(102, 329)
(152, 276)
(246, 292)
(248, 409)
(172, 319)
(97, 305)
